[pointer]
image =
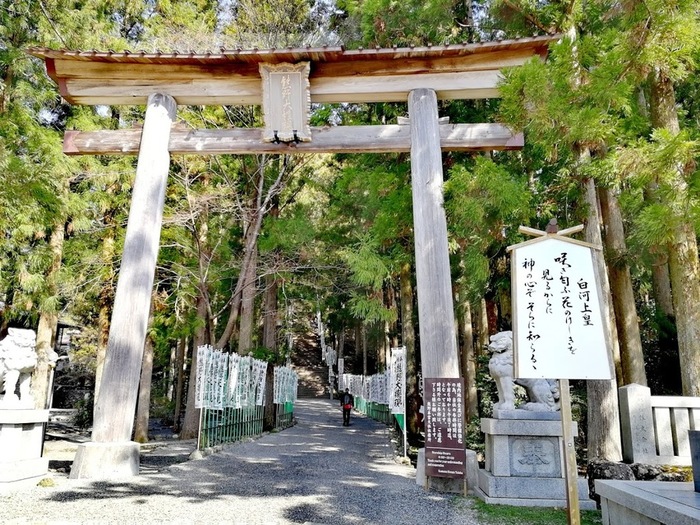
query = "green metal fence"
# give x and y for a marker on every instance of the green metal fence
(229, 424)
(234, 424)
(284, 415)
(376, 411)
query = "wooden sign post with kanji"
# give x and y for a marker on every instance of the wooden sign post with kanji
(559, 330)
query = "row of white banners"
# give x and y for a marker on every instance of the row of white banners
(388, 388)
(234, 381)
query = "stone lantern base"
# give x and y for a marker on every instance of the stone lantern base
(21, 444)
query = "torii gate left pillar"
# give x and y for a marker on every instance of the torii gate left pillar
(438, 339)
(111, 453)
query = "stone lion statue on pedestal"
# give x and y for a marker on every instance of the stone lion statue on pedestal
(543, 394)
(17, 360)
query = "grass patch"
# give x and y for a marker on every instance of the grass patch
(46, 482)
(506, 515)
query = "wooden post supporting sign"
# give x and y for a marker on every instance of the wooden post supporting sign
(570, 469)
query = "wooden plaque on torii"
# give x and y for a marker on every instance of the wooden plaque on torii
(286, 102)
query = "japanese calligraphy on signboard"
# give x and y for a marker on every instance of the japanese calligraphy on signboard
(286, 102)
(228, 380)
(341, 371)
(445, 454)
(397, 379)
(558, 328)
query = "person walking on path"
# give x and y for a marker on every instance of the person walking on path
(346, 402)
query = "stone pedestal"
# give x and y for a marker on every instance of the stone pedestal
(525, 464)
(455, 486)
(694, 442)
(106, 460)
(21, 443)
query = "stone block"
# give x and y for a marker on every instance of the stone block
(23, 469)
(530, 492)
(637, 424)
(95, 460)
(420, 468)
(527, 488)
(456, 486)
(524, 427)
(472, 471)
(21, 440)
(499, 455)
(694, 441)
(21, 433)
(448, 485)
(524, 448)
(648, 502)
(22, 416)
(526, 414)
(25, 473)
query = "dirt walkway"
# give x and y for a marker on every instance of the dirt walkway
(315, 472)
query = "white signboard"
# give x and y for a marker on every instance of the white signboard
(558, 329)
(397, 386)
(341, 372)
(228, 380)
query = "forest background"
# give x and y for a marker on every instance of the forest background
(252, 247)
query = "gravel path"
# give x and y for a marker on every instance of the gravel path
(317, 472)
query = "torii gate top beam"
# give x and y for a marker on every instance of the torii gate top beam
(231, 77)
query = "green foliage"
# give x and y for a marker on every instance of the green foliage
(506, 514)
(162, 408)
(273, 24)
(656, 163)
(386, 23)
(474, 437)
(484, 204)
(660, 343)
(269, 355)
(369, 269)
(559, 105)
(83, 416)
(342, 225)
(46, 482)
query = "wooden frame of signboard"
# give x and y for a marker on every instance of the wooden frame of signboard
(524, 288)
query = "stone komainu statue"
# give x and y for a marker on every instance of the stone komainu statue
(17, 360)
(543, 394)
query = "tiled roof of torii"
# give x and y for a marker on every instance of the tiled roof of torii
(315, 54)
(232, 77)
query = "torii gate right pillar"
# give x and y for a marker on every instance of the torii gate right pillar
(438, 341)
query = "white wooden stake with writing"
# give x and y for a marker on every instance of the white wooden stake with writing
(558, 326)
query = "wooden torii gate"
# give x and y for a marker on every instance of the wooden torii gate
(285, 82)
